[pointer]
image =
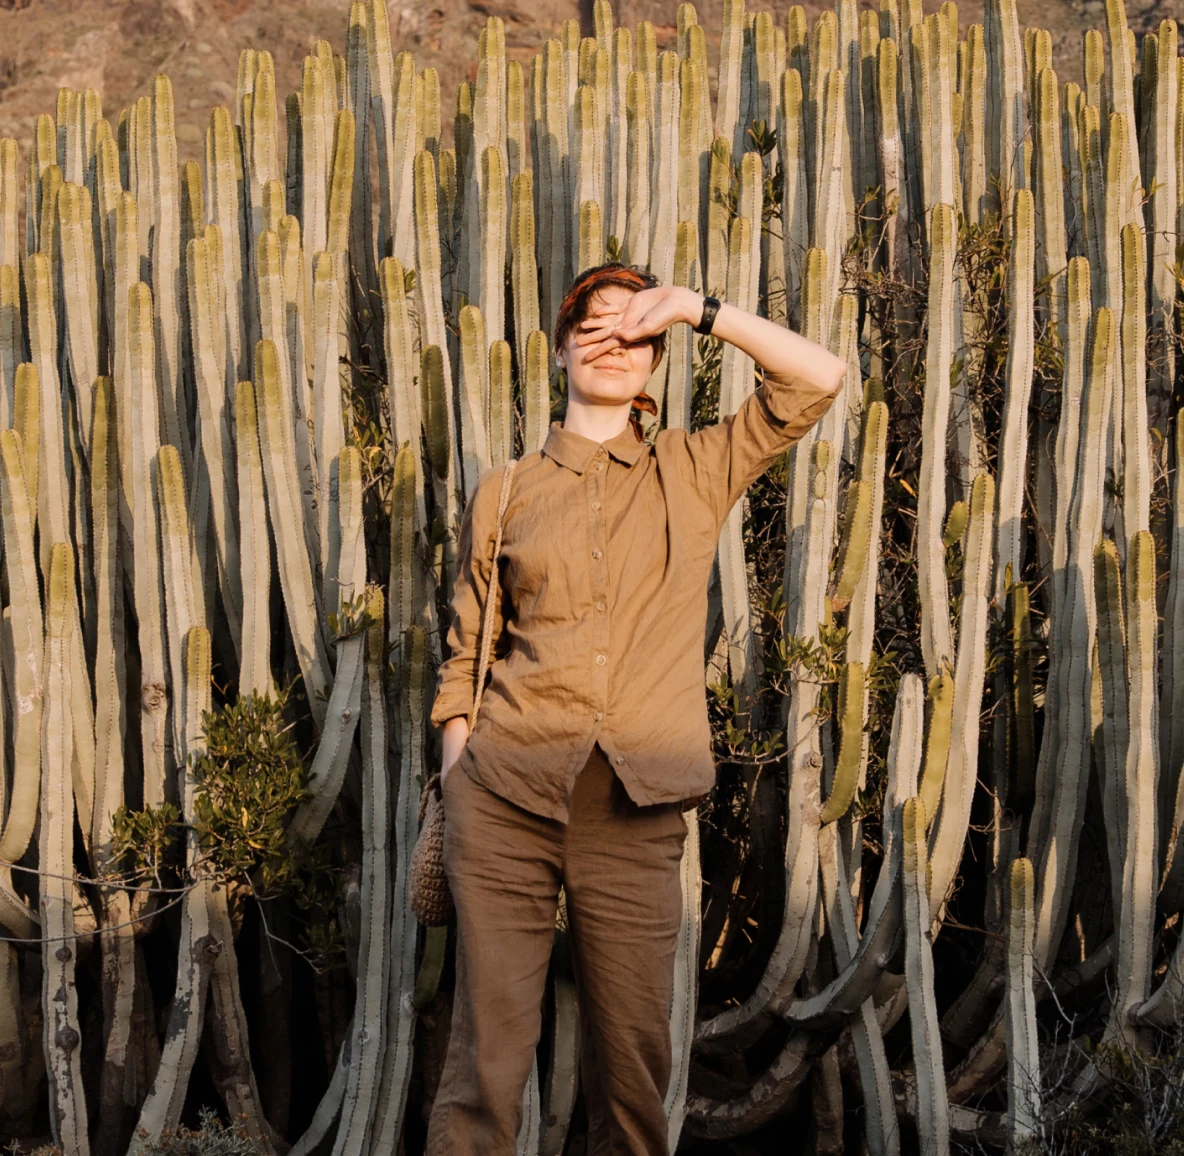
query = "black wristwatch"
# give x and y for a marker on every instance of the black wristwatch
(710, 309)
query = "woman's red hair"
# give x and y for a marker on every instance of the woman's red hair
(577, 303)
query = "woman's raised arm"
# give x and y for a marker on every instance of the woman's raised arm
(783, 353)
(801, 382)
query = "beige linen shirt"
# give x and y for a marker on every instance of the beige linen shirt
(606, 555)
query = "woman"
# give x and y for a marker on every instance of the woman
(593, 728)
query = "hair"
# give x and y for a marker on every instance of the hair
(576, 305)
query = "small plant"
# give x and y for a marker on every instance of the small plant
(248, 781)
(141, 841)
(212, 1138)
(352, 619)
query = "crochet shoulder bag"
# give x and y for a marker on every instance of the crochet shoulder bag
(431, 899)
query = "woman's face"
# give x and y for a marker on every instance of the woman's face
(618, 374)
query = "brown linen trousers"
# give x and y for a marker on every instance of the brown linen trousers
(592, 731)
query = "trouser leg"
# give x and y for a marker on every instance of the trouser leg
(503, 867)
(624, 901)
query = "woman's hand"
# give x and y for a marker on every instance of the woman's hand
(648, 313)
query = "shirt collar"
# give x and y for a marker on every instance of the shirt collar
(575, 451)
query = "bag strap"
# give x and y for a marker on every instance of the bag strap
(494, 593)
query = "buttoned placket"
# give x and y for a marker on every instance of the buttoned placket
(595, 484)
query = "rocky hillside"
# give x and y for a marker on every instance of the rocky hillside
(116, 46)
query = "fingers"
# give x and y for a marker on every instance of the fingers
(591, 353)
(590, 332)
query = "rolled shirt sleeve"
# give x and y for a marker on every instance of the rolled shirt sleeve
(730, 455)
(456, 678)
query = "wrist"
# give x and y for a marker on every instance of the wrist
(691, 306)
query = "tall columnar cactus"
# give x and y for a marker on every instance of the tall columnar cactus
(301, 598)
(1140, 771)
(936, 640)
(930, 1087)
(199, 947)
(1013, 450)
(27, 640)
(735, 385)
(1058, 808)
(1023, 1055)
(63, 1036)
(962, 763)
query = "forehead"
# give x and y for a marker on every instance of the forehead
(609, 298)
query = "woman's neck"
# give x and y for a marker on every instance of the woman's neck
(597, 423)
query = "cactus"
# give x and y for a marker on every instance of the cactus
(27, 640)
(937, 741)
(1122, 100)
(162, 1108)
(554, 164)
(474, 392)
(962, 763)
(932, 1107)
(207, 323)
(1060, 827)
(400, 1021)
(1023, 1056)
(366, 1049)
(937, 643)
(680, 343)
(727, 114)
(1137, 453)
(1050, 270)
(184, 605)
(735, 385)
(494, 227)
(587, 166)
(346, 577)
(853, 551)
(118, 945)
(63, 1036)
(523, 271)
(1005, 98)
(301, 598)
(1013, 450)
(590, 232)
(664, 171)
(850, 712)
(1140, 770)
(1161, 180)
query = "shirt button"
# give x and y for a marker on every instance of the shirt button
(620, 760)
(602, 606)
(595, 506)
(598, 715)
(598, 467)
(601, 659)
(596, 555)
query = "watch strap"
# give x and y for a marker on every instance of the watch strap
(710, 309)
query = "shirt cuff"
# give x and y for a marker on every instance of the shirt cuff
(778, 380)
(793, 398)
(450, 701)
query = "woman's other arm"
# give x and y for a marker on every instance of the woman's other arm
(457, 675)
(456, 735)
